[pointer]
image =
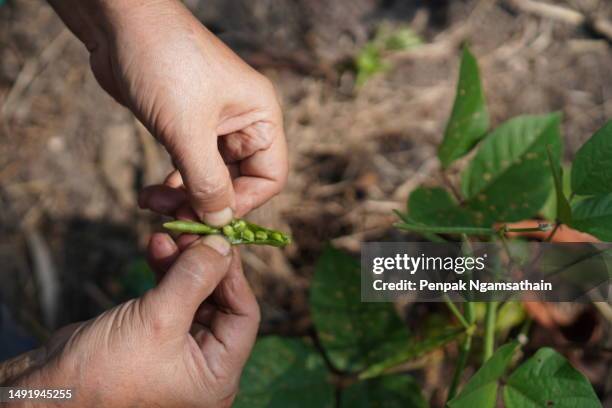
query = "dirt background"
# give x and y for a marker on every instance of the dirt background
(72, 160)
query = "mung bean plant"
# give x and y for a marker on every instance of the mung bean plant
(361, 354)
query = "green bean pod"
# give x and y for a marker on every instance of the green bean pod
(237, 232)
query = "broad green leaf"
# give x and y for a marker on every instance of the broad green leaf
(481, 389)
(396, 391)
(592, 166)
(549, 210)
(283, 373)
(564, 211)
(593, 215)
(412, 350)
(509, 178)
(469, 119)
(548, 380)
(435, 206)
(353, 333)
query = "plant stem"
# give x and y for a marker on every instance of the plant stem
(470, 317)
(489, 335)
(456, 312)
(445, 230)
(540, 228)
(461, 363)
(553, 232)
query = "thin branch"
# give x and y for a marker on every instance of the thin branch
(456, 312)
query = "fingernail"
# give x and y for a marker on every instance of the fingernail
(218, 243)
(219, 218)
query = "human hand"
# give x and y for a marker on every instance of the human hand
(218, 118)
(183, 344)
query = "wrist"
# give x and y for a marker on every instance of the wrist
(96, 22)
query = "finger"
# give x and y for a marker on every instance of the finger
(162, 252)
(235, 323)
(174, 179)
(263, 175)
(205, 313)
(162, 198)
(185, 212)
(189, 281)
(184, 241)
(237, 146)
(207, 180)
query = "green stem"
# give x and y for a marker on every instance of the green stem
(489, 334)
(445, 230)
(461, 363)
(456, 312)
(524, 333)
(553, 232)
(540, 228)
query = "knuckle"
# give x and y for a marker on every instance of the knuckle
(157, 319)
(209, 189)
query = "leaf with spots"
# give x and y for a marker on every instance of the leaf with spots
(283, 373)
(435, 206)
(469, 118)
(591, 169)
(481, 390)
(593, 215)
(548, 380)
(394, 391)
(354, 334)
(509, 179)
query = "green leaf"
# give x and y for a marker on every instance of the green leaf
(469, 119)
(413, 350)
(591, 168)
(396, 391)
(549, 210)
(353, 333)
(564, 211)
(510, 315)
(548, 380)
(435, 206)
(509, 178)
(284, 373)
(593, 215)
(481, 389)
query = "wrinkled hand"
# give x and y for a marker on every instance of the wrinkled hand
(218, 118)
(183, 344)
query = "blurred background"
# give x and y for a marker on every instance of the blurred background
(367, 86)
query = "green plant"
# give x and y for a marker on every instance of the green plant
(237, 232)
(361, 350)
(370, 60)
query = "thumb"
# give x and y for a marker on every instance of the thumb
(190, 280)
(207, 179)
